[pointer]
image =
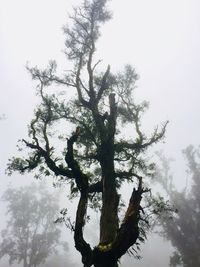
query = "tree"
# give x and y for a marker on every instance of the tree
(31, 235)
(2, 117)
(183, 229)
(59, 260)
(97, 158)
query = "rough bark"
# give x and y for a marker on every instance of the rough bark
(104, 262)
(110, 198)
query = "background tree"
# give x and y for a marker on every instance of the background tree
(2, 117)
(31, 235)
(59, 260)
(96, 159)
(183, 229)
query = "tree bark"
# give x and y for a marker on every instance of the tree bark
(110, 199)
(104, 258)
(107, 264)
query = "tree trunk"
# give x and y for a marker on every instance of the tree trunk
(109, 218)
(106, 263)
(110, 199)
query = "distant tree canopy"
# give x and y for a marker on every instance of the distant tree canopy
(79, 136)
(2, 117)
(183, 229)
(31, 235)
(59, 260)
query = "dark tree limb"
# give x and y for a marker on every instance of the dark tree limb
(49, 161)
(81, 245)
(157, 136)
(125, 174)
(89, 67)
(104, 84)
(80, 96)
(82, 183)
(80, 178)
(96, 187)
(129, 231)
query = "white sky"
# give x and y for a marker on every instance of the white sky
(161, 38)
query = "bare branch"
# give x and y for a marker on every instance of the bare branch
(95, 65)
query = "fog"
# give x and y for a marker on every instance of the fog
(159, 38)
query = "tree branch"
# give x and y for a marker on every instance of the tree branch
(157, 136)
(82, 184)
(129, 231)
(96, 187)
(81, 245)
(80, 178)
(104, 85)
(50, 162)
(80, 96)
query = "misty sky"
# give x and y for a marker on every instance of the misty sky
(160, 38)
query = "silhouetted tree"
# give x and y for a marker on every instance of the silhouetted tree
(93, 112)
(31, 235)
(183, 229)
